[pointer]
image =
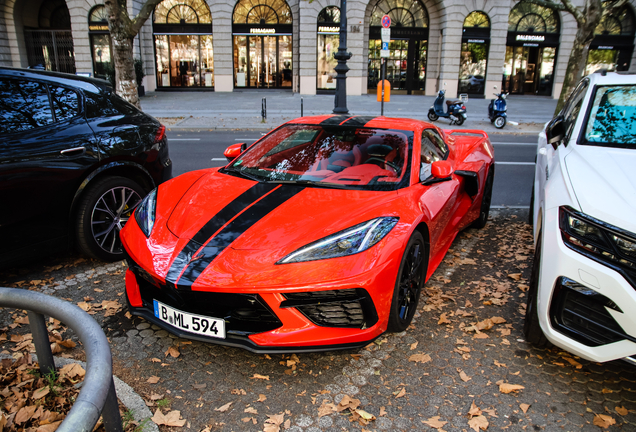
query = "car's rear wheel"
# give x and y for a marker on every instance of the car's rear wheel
(531, 327)
(102, 213)
(409, 283)
(484, 210)
(432, 116)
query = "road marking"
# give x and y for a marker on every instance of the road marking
(246, 139)
(218, 159)
(184, 139)
(509, 207)
(514, 163)
(534, 144)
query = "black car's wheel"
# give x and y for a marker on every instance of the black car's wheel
(531, 327)
(432, 116)
(102, 213)
(409, 283)
(460, 120)
(500, 122)
(485, 200)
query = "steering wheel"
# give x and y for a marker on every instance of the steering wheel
(383, 162)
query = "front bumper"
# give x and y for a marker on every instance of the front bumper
(584, 306)
(307, 321)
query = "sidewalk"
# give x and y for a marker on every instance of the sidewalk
(242, 110)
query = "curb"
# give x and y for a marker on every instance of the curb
(131, 400)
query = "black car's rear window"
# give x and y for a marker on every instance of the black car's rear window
(107, 105)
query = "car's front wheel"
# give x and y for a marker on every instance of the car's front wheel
(409, 283)
(531, 327)
(102, 213)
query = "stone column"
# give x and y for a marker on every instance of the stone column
(78, 9)
(452, 22)
(307, 46)
(222, 41)
(498, 13)
(566, 42)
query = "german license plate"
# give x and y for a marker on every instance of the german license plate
(192, 323)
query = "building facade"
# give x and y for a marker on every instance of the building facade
(225, 45)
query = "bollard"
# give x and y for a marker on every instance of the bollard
(263, 110)
(41, 342)
(301, 107)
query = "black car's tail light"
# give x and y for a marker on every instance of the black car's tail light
(161, 134)
(582, 314)
(350, 308)
(602, 242)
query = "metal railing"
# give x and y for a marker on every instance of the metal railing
(97, 396)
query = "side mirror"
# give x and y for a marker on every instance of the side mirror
(441, 169)
(555, 131)
(233, 151)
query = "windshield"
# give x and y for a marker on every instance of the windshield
(330, 156)
(612, 117)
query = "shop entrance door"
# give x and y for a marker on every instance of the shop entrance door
(529, 70)
(405, 66)
(268, 59)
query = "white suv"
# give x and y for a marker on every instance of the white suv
(582, 293)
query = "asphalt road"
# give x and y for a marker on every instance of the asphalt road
(514, 156)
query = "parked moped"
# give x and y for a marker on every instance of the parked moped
(497, 110)
(456, 110)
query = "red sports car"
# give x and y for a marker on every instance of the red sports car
(319, 236)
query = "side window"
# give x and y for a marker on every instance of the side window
(122, 106)
(24, 105)
(438, 142)
(99, 106)
(573, 108)
(65, 103)
(429, 154)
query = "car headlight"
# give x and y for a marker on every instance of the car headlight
(597, 239)
(145, 212)
(350, 241)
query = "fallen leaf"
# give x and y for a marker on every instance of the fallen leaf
(573, 362)
(173, 351)
(414, 345)
(509, 388)
(514, 276)
(443, 319)
(24, 414)
(622, 410)
(51, 427)
(73, 370)
(401, 393)
(478, 422)
(420, 358)
(435, 422)
(272, 424)
(524, 407)
(170, 419)
(463, 376)
(261, 398)
(250, 410)
(326, 408)
(153, 379)
(603, 421)
(224, 407)
(474, 410)
(263, 377)
(40, 393)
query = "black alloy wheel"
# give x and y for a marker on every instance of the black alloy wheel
(484, 210)
(432, 116)
(409, 283)
(531, 327)
(105, 208)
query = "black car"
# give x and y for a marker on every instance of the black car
(75, 159)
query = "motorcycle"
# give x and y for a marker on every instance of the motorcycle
(456, 110)
(497, 110)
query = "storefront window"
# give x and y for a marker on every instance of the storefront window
(183, 44)
(406, 65)
(100, 44)
(328, 42)
(474, 54)
(262, 44)
(613, 42)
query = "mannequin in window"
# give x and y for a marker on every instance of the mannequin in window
(183, 71)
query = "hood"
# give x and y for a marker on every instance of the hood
(273, 215)
(604, 182)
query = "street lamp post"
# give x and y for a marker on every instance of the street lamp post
(342, 56)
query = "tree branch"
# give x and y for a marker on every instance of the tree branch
(547, 3)
(143, 15)
(578, 15)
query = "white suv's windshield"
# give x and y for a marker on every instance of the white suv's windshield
(330, 156)
(612, 117)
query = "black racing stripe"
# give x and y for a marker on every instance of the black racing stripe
(233, 230)
(213, 225)
(359, 121)
(335, 120)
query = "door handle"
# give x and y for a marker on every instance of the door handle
(73, 151)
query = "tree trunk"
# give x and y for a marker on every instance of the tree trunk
(125, 81)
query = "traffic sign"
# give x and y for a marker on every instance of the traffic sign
(386, 21)
(384, 52)
(386, 34)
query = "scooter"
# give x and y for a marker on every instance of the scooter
(497, 110)
(456, 110)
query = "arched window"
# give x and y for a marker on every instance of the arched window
(50, 44)
(617, 24)
(329, 15)
(262, 12)
(54, 15)
(101, 50)
(477, 19)
(403, 13)
(530, 18)
(182, 12)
